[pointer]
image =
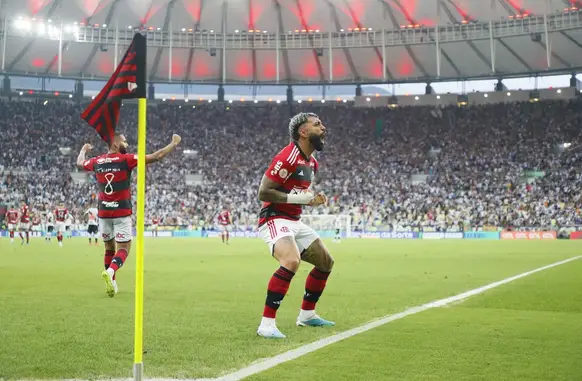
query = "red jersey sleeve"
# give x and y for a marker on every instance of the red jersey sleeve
(131, 161)
(280, 169)
(89, 164)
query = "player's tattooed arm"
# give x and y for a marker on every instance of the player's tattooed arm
(160, 154)
(82, 155)
(268, 192)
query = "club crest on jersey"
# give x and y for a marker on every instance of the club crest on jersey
(283, 173)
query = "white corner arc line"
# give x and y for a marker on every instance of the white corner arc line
(293, 354)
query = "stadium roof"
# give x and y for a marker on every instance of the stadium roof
(410, 52)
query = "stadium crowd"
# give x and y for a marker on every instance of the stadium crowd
(473, 166)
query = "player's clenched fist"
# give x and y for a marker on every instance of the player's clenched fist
(176, 139)
(87, 147)
(319, 199)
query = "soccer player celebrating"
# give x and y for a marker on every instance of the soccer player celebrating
(285, 187)
(92, 224)
(113, 174)
(224, 222)
(61, 215)
(12, 217)
(24, 225)
(155, 223)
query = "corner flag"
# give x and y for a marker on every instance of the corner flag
(127, 82)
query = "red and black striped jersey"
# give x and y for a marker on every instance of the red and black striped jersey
(224, 218)
(294, 172)
(24, 217)
(113, 174)
(12, 216)
(61, 214)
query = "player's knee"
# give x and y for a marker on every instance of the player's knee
(291, 264)
(326, 264)
(286, 252)
(330, 262)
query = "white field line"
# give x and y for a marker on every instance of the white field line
(268, 363)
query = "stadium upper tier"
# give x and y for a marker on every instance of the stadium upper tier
(511, 164)
(294, 41)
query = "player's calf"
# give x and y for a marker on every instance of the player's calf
(286, 252)
(318, 255)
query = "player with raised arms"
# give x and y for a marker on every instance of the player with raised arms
(113, 174)
(285, 187)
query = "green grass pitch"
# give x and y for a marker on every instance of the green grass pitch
(203, 302)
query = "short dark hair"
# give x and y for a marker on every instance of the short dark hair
(297, 121)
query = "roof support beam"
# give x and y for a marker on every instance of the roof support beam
(282, 33)
(470, 43)
(572, 40)
(94, 51)
(408, 48)
(167, 20)
(513, 53)
(27, 47)
(349, 58)
(310, 39)
(555, 55)
(511, 10)
(224, 28)
(196, 28)
(253, 51)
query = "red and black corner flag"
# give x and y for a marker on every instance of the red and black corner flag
(127, 82)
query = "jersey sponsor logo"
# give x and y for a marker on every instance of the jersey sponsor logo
(277, 167)
(120, 236)
(106, 170)
(105, 160)
(301, 162)
(106, 236)
(110, 204)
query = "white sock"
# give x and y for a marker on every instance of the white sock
(306, 315)
(267, 322)
(110, 272)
